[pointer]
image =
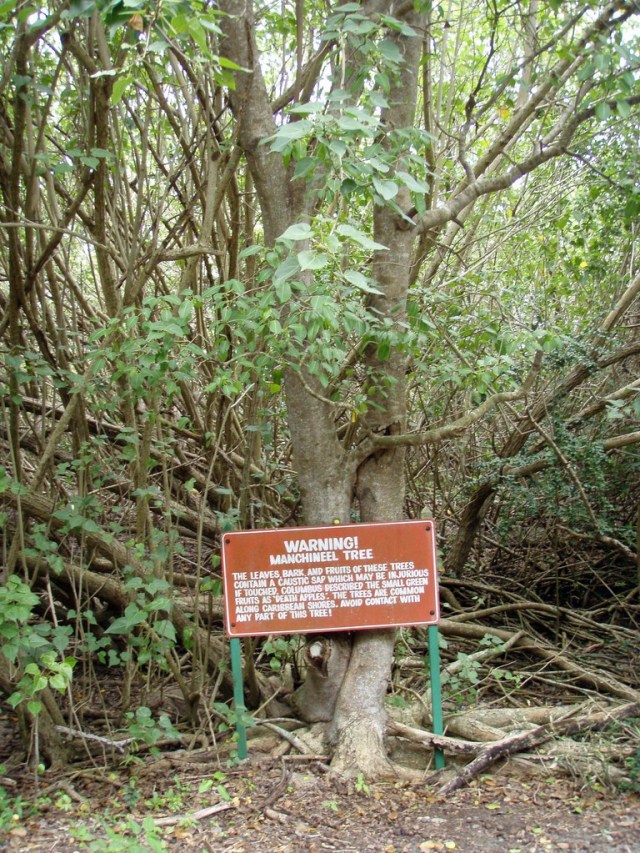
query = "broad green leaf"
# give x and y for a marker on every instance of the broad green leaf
(357, 279)
(386, 189)
(199, 35)
(119, 87)
(212, 27)
(384, 350)
(359, 28)
(350, 123)
(602, 62)
(286, 269)
(180, 24)
(623, 108)
(249, 251)
(359, 237)
(283, 291)
(58, 682)
(398, 25)
(299, 231)
(288, 133)
(223, 62)
(305, 167)
(310, 260)
(165, 629)
(310, 108)
(390, 51)
(77, 9)
(414, 184)
(339, 147)
(348, 186)
(15, 699)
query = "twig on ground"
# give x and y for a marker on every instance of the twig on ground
(172, 820)
(118, 745)
(288, 736)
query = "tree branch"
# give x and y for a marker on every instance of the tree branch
(437, 434)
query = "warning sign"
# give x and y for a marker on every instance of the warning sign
(346, 578)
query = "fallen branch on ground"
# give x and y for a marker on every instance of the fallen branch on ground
(526, 740)
(199, 815)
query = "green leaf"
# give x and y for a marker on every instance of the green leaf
(349, 123)
(15, 699)
(309, 108)
(180, 24)
(185, 311)
(386, 189)
(283, 291)
(249, 251)
(299, 231)
(390, 51)
(357, 279)
(223, 62)
(58, 682)
(360, 238)
(623, 108)
(305, 167)
(123, 624)
(339, 147)
(310, 260)
(288, 133)
(119, 88)
(199, 35)
(286, 269)
(165, 629)
(414, 184)
(359, 27)
(384, 350)
(398, 25)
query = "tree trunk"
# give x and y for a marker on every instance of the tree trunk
(347, 674)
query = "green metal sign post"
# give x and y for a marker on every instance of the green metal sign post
(436, 689)
(238, 697)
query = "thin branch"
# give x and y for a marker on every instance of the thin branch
(457, 427)
(173, 820)
(118, 745)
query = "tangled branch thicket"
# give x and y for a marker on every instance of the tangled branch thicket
(143, 346)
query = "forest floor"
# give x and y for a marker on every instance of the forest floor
(290, 806)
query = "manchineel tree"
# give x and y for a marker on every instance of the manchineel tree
(251, 253)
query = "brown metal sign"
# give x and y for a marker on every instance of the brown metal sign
(346, 578)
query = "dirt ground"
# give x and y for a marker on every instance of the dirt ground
(291, 806)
